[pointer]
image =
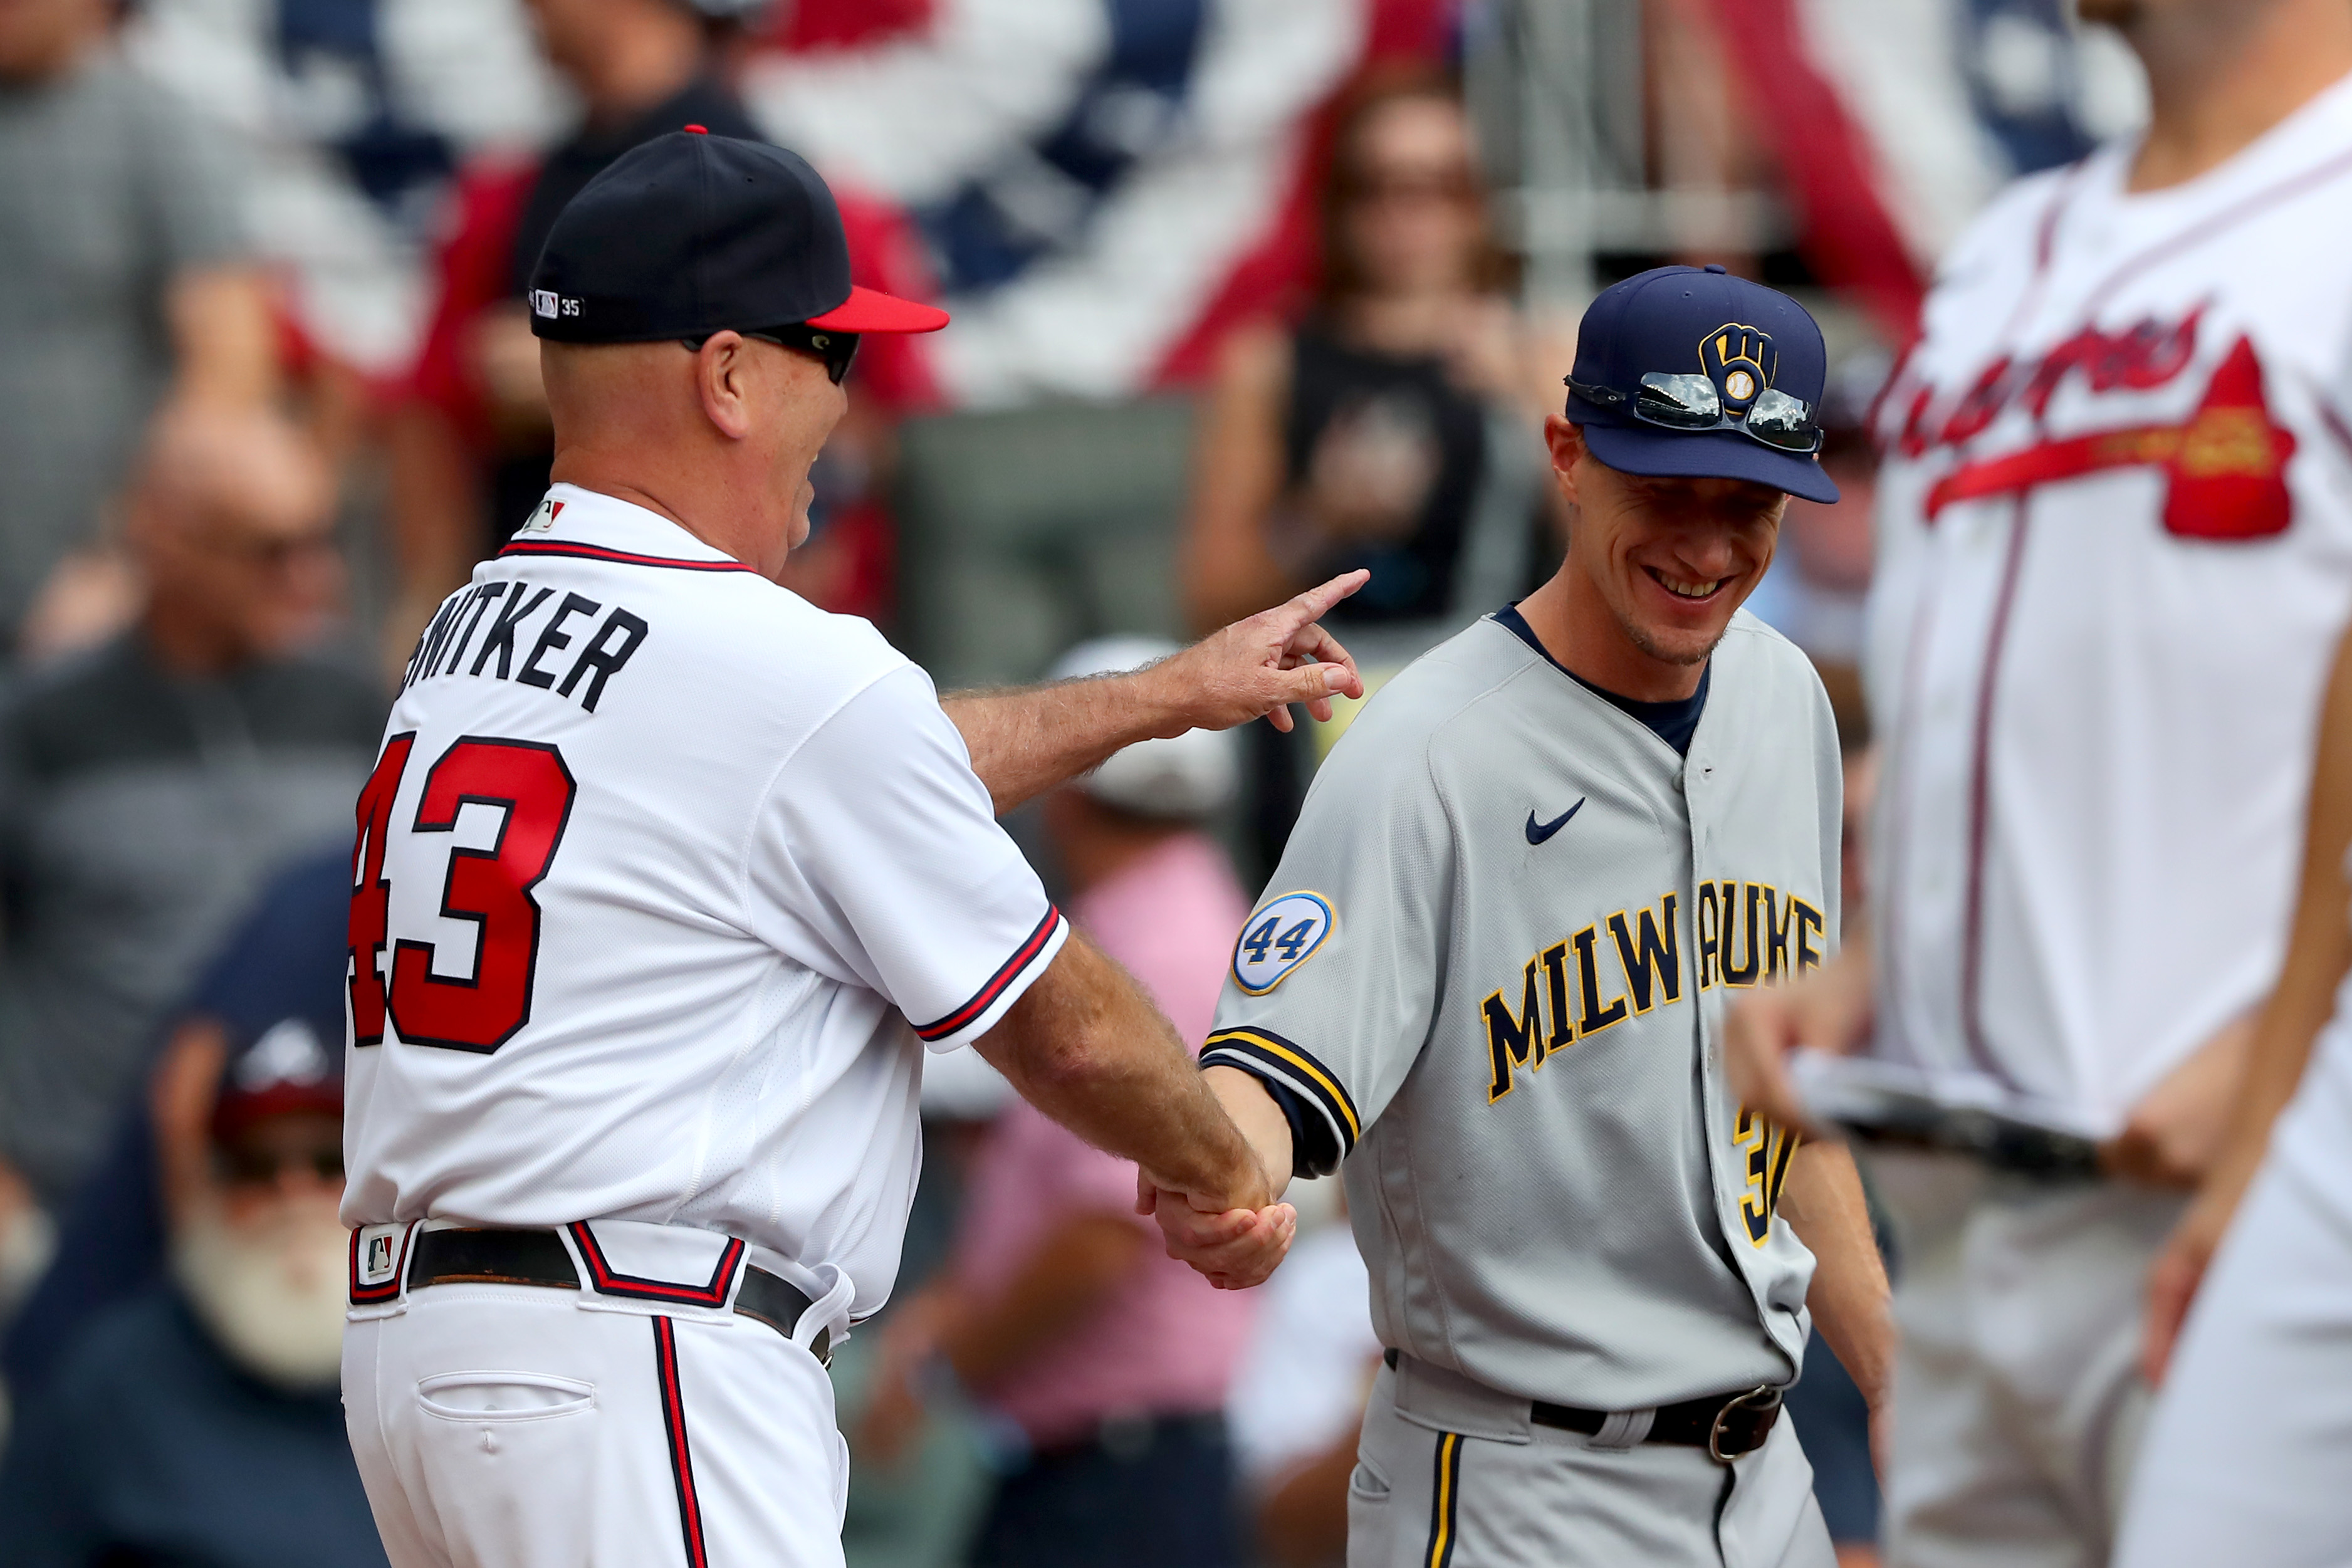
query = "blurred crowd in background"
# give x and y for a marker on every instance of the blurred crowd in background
(1244, 294)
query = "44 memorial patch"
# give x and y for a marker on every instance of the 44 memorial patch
(1282, 935)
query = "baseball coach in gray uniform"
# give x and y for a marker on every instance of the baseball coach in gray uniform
(1492, 972)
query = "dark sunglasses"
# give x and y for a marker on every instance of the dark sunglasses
(1690, 402)
(1450, 185)
(835, 349)
(269, 554)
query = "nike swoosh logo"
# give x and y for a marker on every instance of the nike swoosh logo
(1539, 831)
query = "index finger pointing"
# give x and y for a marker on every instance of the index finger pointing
(1311, 604)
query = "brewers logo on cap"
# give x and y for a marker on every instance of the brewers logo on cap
(1740, 362)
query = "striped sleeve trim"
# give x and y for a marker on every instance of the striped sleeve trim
(1261, 1051)
(987, 997)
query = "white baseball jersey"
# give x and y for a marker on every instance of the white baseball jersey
(658, 867)
(2116, 533)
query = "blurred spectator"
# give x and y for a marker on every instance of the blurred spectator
(471, 445)
(287, 957)
(1392, 429)
(148, 787)
(1298, 1403)
(198, 1420)
(124, 280)
(1060, 1311)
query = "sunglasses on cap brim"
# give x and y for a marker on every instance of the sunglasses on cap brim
(835, 349)
(1690, 404)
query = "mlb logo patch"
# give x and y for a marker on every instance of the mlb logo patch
(542, 303)
(375, 1261)
(544, 518)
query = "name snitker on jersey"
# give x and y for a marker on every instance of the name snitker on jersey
(508, 606)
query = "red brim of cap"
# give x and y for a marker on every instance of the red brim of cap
(238, 1110)
(871, 310)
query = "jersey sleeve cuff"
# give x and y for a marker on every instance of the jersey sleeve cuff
(980, 1013)
(1264, 1054)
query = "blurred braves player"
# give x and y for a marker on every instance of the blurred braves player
(2116, 545)
(664, 881)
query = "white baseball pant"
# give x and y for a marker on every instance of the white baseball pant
(2017, 1400)
(2249, 1453)
(523, 1426)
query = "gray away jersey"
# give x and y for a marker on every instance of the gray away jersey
(1498, 955)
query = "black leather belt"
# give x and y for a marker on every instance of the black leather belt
(539, 1257)
(1726, 1425)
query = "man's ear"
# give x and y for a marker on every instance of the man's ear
(722, 375)
(1566, 444)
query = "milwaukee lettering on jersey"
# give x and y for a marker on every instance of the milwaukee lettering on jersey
(1625, 965)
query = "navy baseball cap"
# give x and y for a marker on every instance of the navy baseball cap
(691, 234)
(1689, 373)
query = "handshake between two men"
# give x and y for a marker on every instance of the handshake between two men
(1083, 1044)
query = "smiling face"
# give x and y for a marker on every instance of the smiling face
(1665, 561)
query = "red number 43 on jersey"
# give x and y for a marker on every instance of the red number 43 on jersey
(527, 783)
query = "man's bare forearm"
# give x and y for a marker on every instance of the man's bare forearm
(1025, 740)
(1085, 1047)
(1822, 1202)
(224, 336)
(1261, 1120)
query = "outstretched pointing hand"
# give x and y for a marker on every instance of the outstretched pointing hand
(1262, 665)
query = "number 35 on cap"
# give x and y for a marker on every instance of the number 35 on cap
(1280, 937)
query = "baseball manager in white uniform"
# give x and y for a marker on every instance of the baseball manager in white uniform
(2115, 550)
(1492, 970)
(664, 882)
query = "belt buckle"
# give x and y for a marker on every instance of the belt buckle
(1763, 1396)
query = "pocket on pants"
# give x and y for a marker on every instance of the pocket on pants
(474, 1398)
(1365, 1484)
(509, 1467)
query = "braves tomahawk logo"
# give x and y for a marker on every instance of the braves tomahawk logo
(2225, 465)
